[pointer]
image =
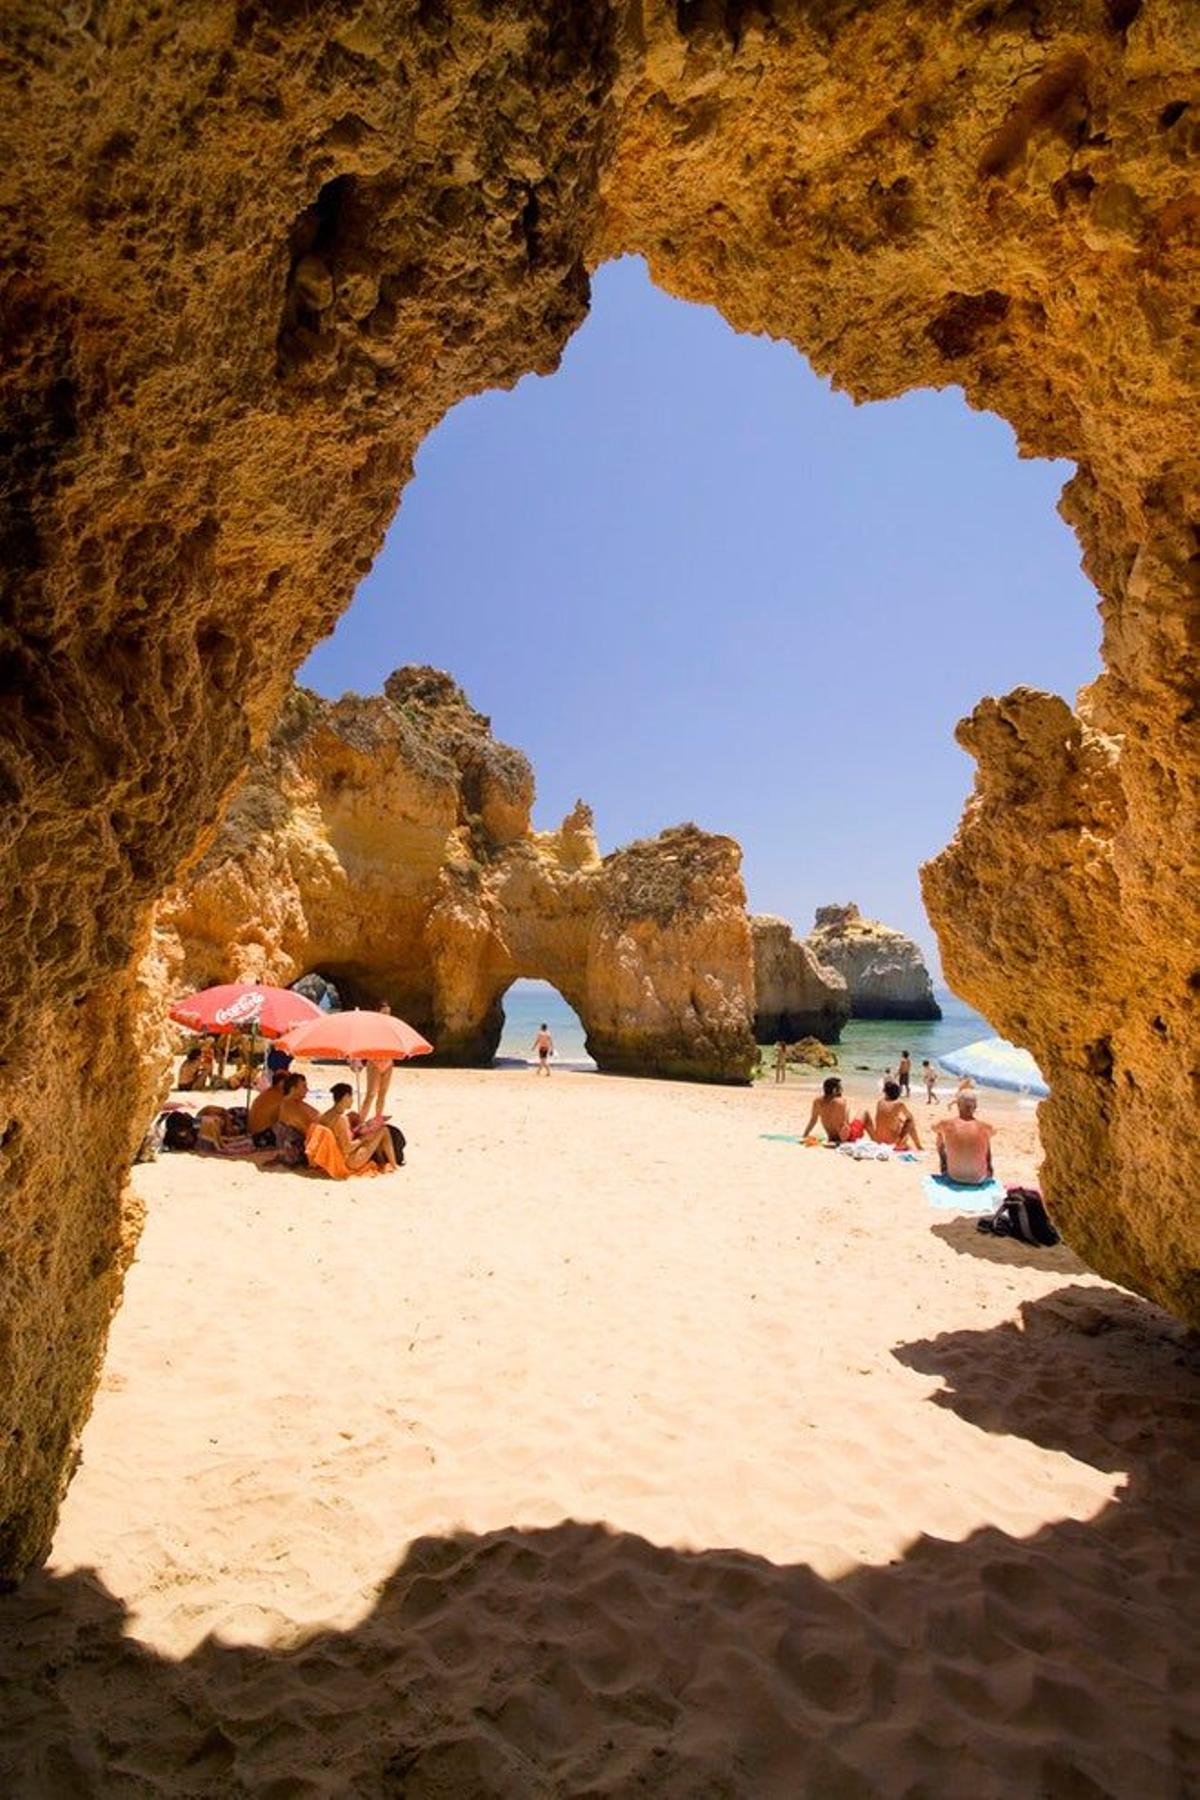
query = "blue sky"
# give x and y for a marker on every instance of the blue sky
(692, 582)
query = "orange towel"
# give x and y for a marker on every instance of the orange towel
(325, 1153)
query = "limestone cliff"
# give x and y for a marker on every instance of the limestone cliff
(884, 971)
(253, 253)
(795, 996)
(386, 845)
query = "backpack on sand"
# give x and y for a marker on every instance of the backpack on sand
(1022, 1215)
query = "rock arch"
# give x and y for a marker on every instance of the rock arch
(387, 842)
(255, 253)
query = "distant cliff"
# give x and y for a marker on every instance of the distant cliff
(884, 971)
(794, 995)
(385, 844)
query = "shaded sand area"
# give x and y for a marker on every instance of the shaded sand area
(610, 1448)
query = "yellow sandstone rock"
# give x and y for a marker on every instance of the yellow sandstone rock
(386, 845)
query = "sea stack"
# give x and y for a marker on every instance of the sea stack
(795, 995)
(884, 971)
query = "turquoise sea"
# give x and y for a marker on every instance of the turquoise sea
(872, 1044)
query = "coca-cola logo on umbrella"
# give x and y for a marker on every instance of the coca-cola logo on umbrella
(240, 1011)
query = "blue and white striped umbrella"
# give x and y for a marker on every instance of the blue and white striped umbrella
(994, 1062)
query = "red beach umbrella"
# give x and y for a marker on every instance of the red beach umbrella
(244, 1006)
(369, 1036)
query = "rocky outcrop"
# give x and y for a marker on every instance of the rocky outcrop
(252, 255)
(1109, 1027)
(794, 995)
(884, 971)
(385, 845)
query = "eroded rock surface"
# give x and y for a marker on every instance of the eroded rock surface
(884, 970)
(1112, 1032)
(254, 253)
(795, 996)
(386, 845)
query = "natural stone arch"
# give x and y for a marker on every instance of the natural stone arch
(254, 254)
(387, 842)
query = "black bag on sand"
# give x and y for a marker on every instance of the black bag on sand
(1022, 1215)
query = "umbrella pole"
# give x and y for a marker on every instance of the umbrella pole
(250, 1068)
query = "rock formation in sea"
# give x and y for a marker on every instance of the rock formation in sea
(884, 971)
(795, 996)
(253, 254)
(385, 845)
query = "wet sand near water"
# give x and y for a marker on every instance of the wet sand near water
(608, 1448)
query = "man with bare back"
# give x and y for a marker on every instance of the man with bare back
(965, 1144)
(894, 1123)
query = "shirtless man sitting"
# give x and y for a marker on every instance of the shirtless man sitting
(965, 1144)
(293, 1119)
(830, 1109)
(264, 1108)
(894, 1123)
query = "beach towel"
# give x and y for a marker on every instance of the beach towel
(780, 1137)
(959, 1196)
(325, 1153)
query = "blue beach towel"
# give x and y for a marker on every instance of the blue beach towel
(780, 1137)
(958, 1196)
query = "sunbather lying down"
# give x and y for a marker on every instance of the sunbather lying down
(217, 1130)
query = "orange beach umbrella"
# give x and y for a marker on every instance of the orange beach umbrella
(369, 1036)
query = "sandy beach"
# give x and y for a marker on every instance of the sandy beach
(613, 1447)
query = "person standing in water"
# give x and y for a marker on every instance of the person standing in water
(543, 1043)
(904, 1073)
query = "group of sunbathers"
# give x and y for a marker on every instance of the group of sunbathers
(964, 1143)
(282, 1126)
(229, 1062)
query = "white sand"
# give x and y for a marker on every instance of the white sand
(949, 1479)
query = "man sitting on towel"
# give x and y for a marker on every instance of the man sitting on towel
(894, 1123)
(965, 1144)
(831, 1109)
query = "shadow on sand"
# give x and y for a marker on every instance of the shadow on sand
(964, 1235)
(581, 1661)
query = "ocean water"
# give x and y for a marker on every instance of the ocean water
(873, 1044)
(876, 1044)
(526, 1004)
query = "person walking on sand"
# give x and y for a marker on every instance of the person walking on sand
(965, 1143)
(929, 1076)
(829, 1110)
(904, 1072)
(894, 1123)
(780, 1062)
(543, 1043)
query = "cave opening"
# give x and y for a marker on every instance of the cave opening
(741, 599)
(527, 1005)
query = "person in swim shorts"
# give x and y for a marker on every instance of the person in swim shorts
(543, 1043)
(830, 1110)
